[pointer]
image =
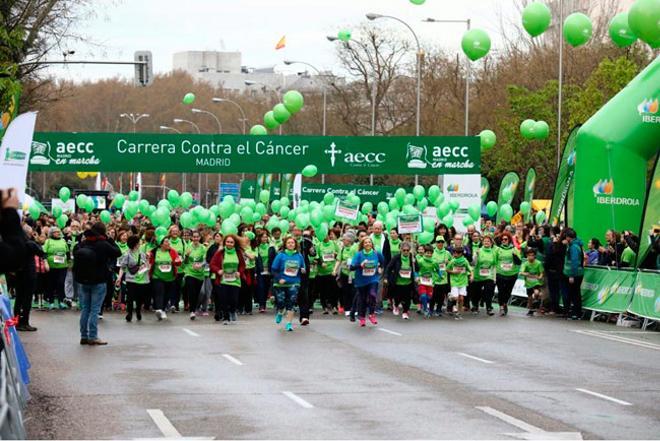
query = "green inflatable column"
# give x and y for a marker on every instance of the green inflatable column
(612, 154)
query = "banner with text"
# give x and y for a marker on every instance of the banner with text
(607, 290)
(651, 218)
(646, 299)
(410, 224)
(199, 153)
(564, 179)
(466, 189)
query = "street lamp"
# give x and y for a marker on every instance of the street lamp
(372, 16)
(133, 118)
(163, 128)
(206, 112)
(266, 87)
(179, 121)
(225, 100)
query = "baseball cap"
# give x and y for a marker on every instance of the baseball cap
(440, 239)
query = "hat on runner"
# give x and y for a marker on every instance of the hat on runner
(440, 239)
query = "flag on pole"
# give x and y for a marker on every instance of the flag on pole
(15, 153)
(97, 183)
(281, 44)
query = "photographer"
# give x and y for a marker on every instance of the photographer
(12, 237)
(26, 281)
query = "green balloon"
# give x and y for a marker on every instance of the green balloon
(344, 35)
(439, 200)
(409, 209)
(275, 206)
(487, 140)
(264, 196)
(393, 204)
(329, 198)
(541, 130)
(417, 2)
(62, 220)
(186, 220)
(448, 220)
(467, 221)
(89, 204)
(173, 197)
(418, 192)
(475, 44)
(536, 18)
(409, 199)
(186, 200)
(390, 223)
(284, 226)
(269, 121)
(57, 211)
(285, 201)
(400, 196)
(235, 218)
(280, 113)
(143, 206)
(474, 211)
(620, 31)
(491, 208)
(64, 194)
(133, 195)
(105, 217)
(382, 208)
(309, 171)
(258, 129)
(130, 209)
(34, 211)
(443, 210)
(329, 212)
(422, 204)
(525, 208)
(644, 21)
(540, 217)
(433, 193)
(316, 218)
(228, 227)
(454, 204)
(189, 98)
(425, 238)
(322, 231)
(577, 29)
(261, 208)
(81, 201)
(246, 214)
(284, 211)
(429, 224)
(293, 101)
(302, 220)
(212, 219)
(506, 212)
(527, 129)
(367, 208)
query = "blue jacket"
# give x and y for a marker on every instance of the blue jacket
(279, 265)
(375, 258)
(574, 261)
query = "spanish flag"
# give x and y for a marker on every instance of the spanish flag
(281, 44)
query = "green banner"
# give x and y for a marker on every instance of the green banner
(530, 183)
(315, 192)
(347, 210)
(564, 178)
(607, 290)
(157, 152)
(651, 219)
(646, 300)
(508, 187)
(485, 188)
(286, 184)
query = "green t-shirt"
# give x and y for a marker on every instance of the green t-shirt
(505, 264)
(122, 247)
(57, 253)
(427, 268)
(486, 262)
(263, 250)
(628, 256)
(250, 258)
(230, 274)
(459, 279)
(196, 262)
(327, 257)
(378, 242)
(405, 275)
(178, 245)
(394, 246)
(441, 257)
(534, 268)
(345, 256)
(163, 266)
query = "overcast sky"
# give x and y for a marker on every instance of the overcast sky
(253, 27)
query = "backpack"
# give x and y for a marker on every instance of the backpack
(133, 269)
(85, 264)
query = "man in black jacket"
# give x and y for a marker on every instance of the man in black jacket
(90, 273)
(12, 237)
(25, 282)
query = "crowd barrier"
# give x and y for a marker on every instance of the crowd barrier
(622, 291)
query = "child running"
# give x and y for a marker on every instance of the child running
(286, 269)
(532, 271)
(428, 268)
(460, 270)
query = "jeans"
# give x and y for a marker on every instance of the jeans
(193, 288)
(91, 298)
(263, 286)
(286, 297)
(572, 296)
(162, 291)
(367, 296)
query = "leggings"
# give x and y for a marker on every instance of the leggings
(439, 295)
(247, 293)
(136, 293)
(162, 291)
(347, 292)
(55, 289)
(228, 300)
(286, 297)
(403, 296)
(328, 290)
(482, 290)
(193, 286)
(366, 296)
(504, 288)
(263, 287)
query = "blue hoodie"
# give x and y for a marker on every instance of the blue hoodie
(574, 260)
(374, 259)
(284, 263)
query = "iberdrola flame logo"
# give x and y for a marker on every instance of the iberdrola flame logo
(648, 106)
(452, 188)
(571, 159)
(604, 187)
(602, 295)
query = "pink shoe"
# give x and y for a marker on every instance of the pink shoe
(363, 322)
(372, 319)
(205, 314)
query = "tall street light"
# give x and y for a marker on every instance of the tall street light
(226, 100)
(199, 175)
(164, 128)
(206, 112)
(325, 100)
(133, 118)
(372, 16)
(266, 87)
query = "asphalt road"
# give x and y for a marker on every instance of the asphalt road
(480, 378)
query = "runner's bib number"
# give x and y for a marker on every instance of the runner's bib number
(229, 277)
(405, 273)
(59, 258)
(442, 266)
(507, 266)
(329, 257)
(369, 270)
(291, 269)
(459, 269)
(426, 280)
(198, 265)
(484, 272)
(165, 268)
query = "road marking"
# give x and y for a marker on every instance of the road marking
(605, 397)
(483, 360)
(233, 360)
(189, 332)
(390, 332)
(297, 399)
(630, 341)
(164, 425)
(530, 432)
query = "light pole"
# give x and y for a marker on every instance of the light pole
(206, 112)
(134, 118)
(183, 175)
(561, 79)
(163, 128)
(199, 175)
(225, 100)
(325, 99)
(266, 87)
(371, 16)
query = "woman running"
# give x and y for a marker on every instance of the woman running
(485, 262)
(368, 265)
(287, 268)
(229, 267)
(134, 269)
(265, 255)
(400, 278)
(195, 270)
(164, 262)
(56, 250)
(508, 264)
(327, 251)
(344, 274)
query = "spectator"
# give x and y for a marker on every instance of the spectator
(26, 281)
(610, 253)
(572, 274)
(12, 243)
(593, 255)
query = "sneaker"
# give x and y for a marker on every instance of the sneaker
(289, 327)
(193, 316)
(340, 310)
(26, 328)
(138, 316)
(575, 317)
(226, 322)
(173, 309)
(347, 313)
(97, 342)
(100, 316)
(379, 311)
(372, 319)
(84, 341)
(458, 317)
(262, 310)
(129, 318)
(163, 315)
(304, 322)
(490, 312)
(216, 317)
(326, 311)
(205, 314)
(334, 311)
(278, 318)
(35, 305)
(395, 310)
(530, 313)
(159, 314)
(502, 313)
(363, 322)
(405, 316)
(427, 314)
(51, 306)
(351, 317)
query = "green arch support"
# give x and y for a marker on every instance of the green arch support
(613, 150)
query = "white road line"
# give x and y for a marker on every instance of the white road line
(483, 360)
(605, 397)
(630, 341)
(297, 399)
(390, 332)
(510, 420)
(164, 425)
(530, 432)
(233, 360)
(189, 332)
